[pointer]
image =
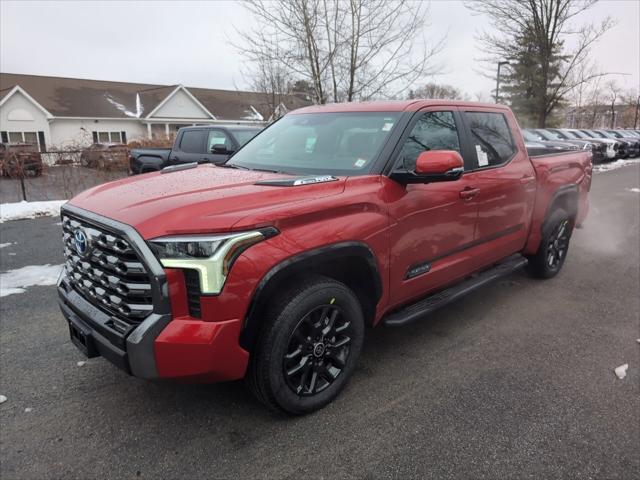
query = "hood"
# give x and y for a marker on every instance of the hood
(205, 199)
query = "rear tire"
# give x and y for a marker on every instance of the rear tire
(554, 246)
(308, 346)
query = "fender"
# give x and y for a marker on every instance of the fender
(570, 190)
(304, 262)
(539, 223)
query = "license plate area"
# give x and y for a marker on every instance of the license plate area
(81, 338)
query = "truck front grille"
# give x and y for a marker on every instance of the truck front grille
(109, 275)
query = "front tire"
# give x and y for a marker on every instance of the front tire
(308, 347)
(552, 252)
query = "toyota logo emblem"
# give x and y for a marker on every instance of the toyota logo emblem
(82, 242)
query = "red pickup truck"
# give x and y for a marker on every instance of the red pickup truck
(333, 219)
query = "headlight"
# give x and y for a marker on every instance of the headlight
(212, 256)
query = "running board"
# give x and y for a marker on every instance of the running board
(433, 302)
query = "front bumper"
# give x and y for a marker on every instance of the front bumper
(90, 331)
(168, 343)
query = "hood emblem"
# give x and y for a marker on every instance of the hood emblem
(296, 182)
(82, 242)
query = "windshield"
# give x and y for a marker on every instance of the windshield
(531, 136)
(578, 134)
(243, 136)
(603, 134)
(549, 135)
(343, 143)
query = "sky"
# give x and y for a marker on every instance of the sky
(190, 42)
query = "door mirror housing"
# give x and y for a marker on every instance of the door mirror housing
(219, 148)
(434, 166)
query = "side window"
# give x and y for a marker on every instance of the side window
(192, 141)
(218, 137)
(491, 138)
(433, 131)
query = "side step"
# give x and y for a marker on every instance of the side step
(431, 303)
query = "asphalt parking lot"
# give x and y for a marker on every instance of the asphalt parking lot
(514, 381)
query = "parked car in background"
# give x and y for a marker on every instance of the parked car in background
(621, 147)
(200, 144)
(337, 217)
(105, 156)
(628, 136)
(609, 152)
(536, 145)
(598, 150)
(20, 160)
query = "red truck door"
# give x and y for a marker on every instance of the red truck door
(505, 180)
(433, 222)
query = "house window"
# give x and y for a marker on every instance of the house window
(109, 137)
(33, 138)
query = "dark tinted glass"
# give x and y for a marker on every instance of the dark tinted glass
(192, 141)
(491, 138)
(434, 131)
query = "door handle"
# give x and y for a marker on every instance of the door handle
(468, 193)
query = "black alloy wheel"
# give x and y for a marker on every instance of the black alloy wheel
(308, 345)
(318, 350)
(554, 246)
(558, 244)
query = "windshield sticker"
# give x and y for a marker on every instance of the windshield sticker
(360, 163)
(483, 159)
(387, 126)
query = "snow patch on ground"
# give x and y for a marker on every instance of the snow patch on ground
(607, 167)
(21, 210)
(634, 190)
(16, 281)
(2, 245)
(3, 399)
(621, 371)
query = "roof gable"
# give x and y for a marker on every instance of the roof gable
(20, 90)
(180, 103)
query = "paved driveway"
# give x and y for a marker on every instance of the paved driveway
(514, 381)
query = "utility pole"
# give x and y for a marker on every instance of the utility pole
(498, 79)
(635, 120)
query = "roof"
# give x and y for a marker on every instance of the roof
(74, 97)
(393, 106)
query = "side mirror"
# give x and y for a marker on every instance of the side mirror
(219, 148)
(434, 166)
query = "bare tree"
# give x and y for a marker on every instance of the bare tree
(438, 91)
(531, 34)
(346, 49)
(613, 94)
(270, 78)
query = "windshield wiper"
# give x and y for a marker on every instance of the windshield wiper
(267, 170)
(233, 165)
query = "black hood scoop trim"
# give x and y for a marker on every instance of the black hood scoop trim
(297, 181)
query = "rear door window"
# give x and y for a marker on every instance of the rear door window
(192, 141)
(491, 138)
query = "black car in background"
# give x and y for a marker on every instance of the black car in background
(627, 136)
(536, 145)
(598, 148)
(199, 144)
(620, 147)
